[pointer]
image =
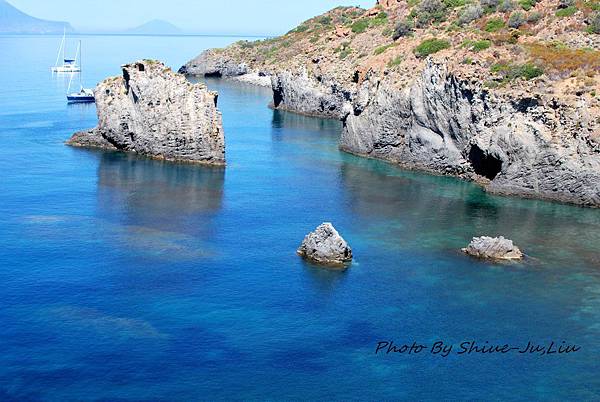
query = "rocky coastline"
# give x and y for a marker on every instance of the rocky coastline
(523, 138)
(154, 112)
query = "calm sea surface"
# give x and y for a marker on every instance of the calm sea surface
(123, 278)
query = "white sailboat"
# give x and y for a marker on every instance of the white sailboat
(68, 65)
(85, 95)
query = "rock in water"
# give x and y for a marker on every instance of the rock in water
(494, 248)
(325, 246)
(156, 112)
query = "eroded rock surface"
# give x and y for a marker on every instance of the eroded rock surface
(517, 144)
(493, 248)
(211, 64)
(519, 114)
(325, 246)
(152, 111)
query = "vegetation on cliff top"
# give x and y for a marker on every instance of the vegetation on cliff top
(474, 36)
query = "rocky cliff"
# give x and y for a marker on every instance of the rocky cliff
(500, 92)
(152, 111)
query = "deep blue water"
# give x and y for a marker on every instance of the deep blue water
(123, 278)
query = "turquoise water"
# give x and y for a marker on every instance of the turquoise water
(124, 278)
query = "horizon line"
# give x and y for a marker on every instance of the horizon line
(137, 34)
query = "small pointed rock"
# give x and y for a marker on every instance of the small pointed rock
(493, 248)
(325, 246)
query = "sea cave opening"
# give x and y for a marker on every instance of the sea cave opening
(483, 163)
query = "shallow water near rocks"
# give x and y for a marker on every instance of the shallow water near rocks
(127, 278)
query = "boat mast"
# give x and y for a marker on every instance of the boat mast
(80, 50)
(61, 48)
(69, 87)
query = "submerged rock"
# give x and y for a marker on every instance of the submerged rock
(151, 110)
(325, 246)
(494, 248)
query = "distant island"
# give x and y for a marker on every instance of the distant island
(155, 27)
(14, 21)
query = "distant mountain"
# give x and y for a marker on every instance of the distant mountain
(155, 27)
(12, 20)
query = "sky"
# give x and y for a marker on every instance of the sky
(259, 17)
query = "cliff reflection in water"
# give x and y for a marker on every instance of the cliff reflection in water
(414, 210)
(160, 195)
(292, 121)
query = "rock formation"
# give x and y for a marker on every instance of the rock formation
(445, 124)
(152, 111)
(509, 109)
(325, 246)
(210, 64)
(493, 248)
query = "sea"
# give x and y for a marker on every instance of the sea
(125, 279)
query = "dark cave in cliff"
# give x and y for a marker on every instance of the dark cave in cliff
(277, 97)
(484, 164)
(214, 74)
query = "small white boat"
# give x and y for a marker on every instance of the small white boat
(84, 95)
(68, 65)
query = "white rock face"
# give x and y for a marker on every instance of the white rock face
(494, 248)
(325, 246)
(515, 143)
(152, 111)
(254, 79)
(210, 63)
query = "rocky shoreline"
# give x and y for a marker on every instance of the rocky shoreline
(441, 118)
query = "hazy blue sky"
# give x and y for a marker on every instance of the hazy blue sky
(220, 16)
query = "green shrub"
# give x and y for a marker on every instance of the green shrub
(382, 49)
(245, 44)
(477, 46)
(530, 71)
(429, 11)
(470, 13)
(360, 26)
(380, 19)
(593, 4)
(345, 53)
(594, 24)
(534, 17)
(402, 28)
(325, 20)
(431, 46)
(509, 72)
(489, 5)
(566, 12)
(395, 62)
(494, 25)
(506, 6)
(527, 4)
(301, 28)
(454, 3)
(344, 50)
(516, 19)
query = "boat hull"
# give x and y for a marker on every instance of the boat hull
(80, 99)
(66, 70)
